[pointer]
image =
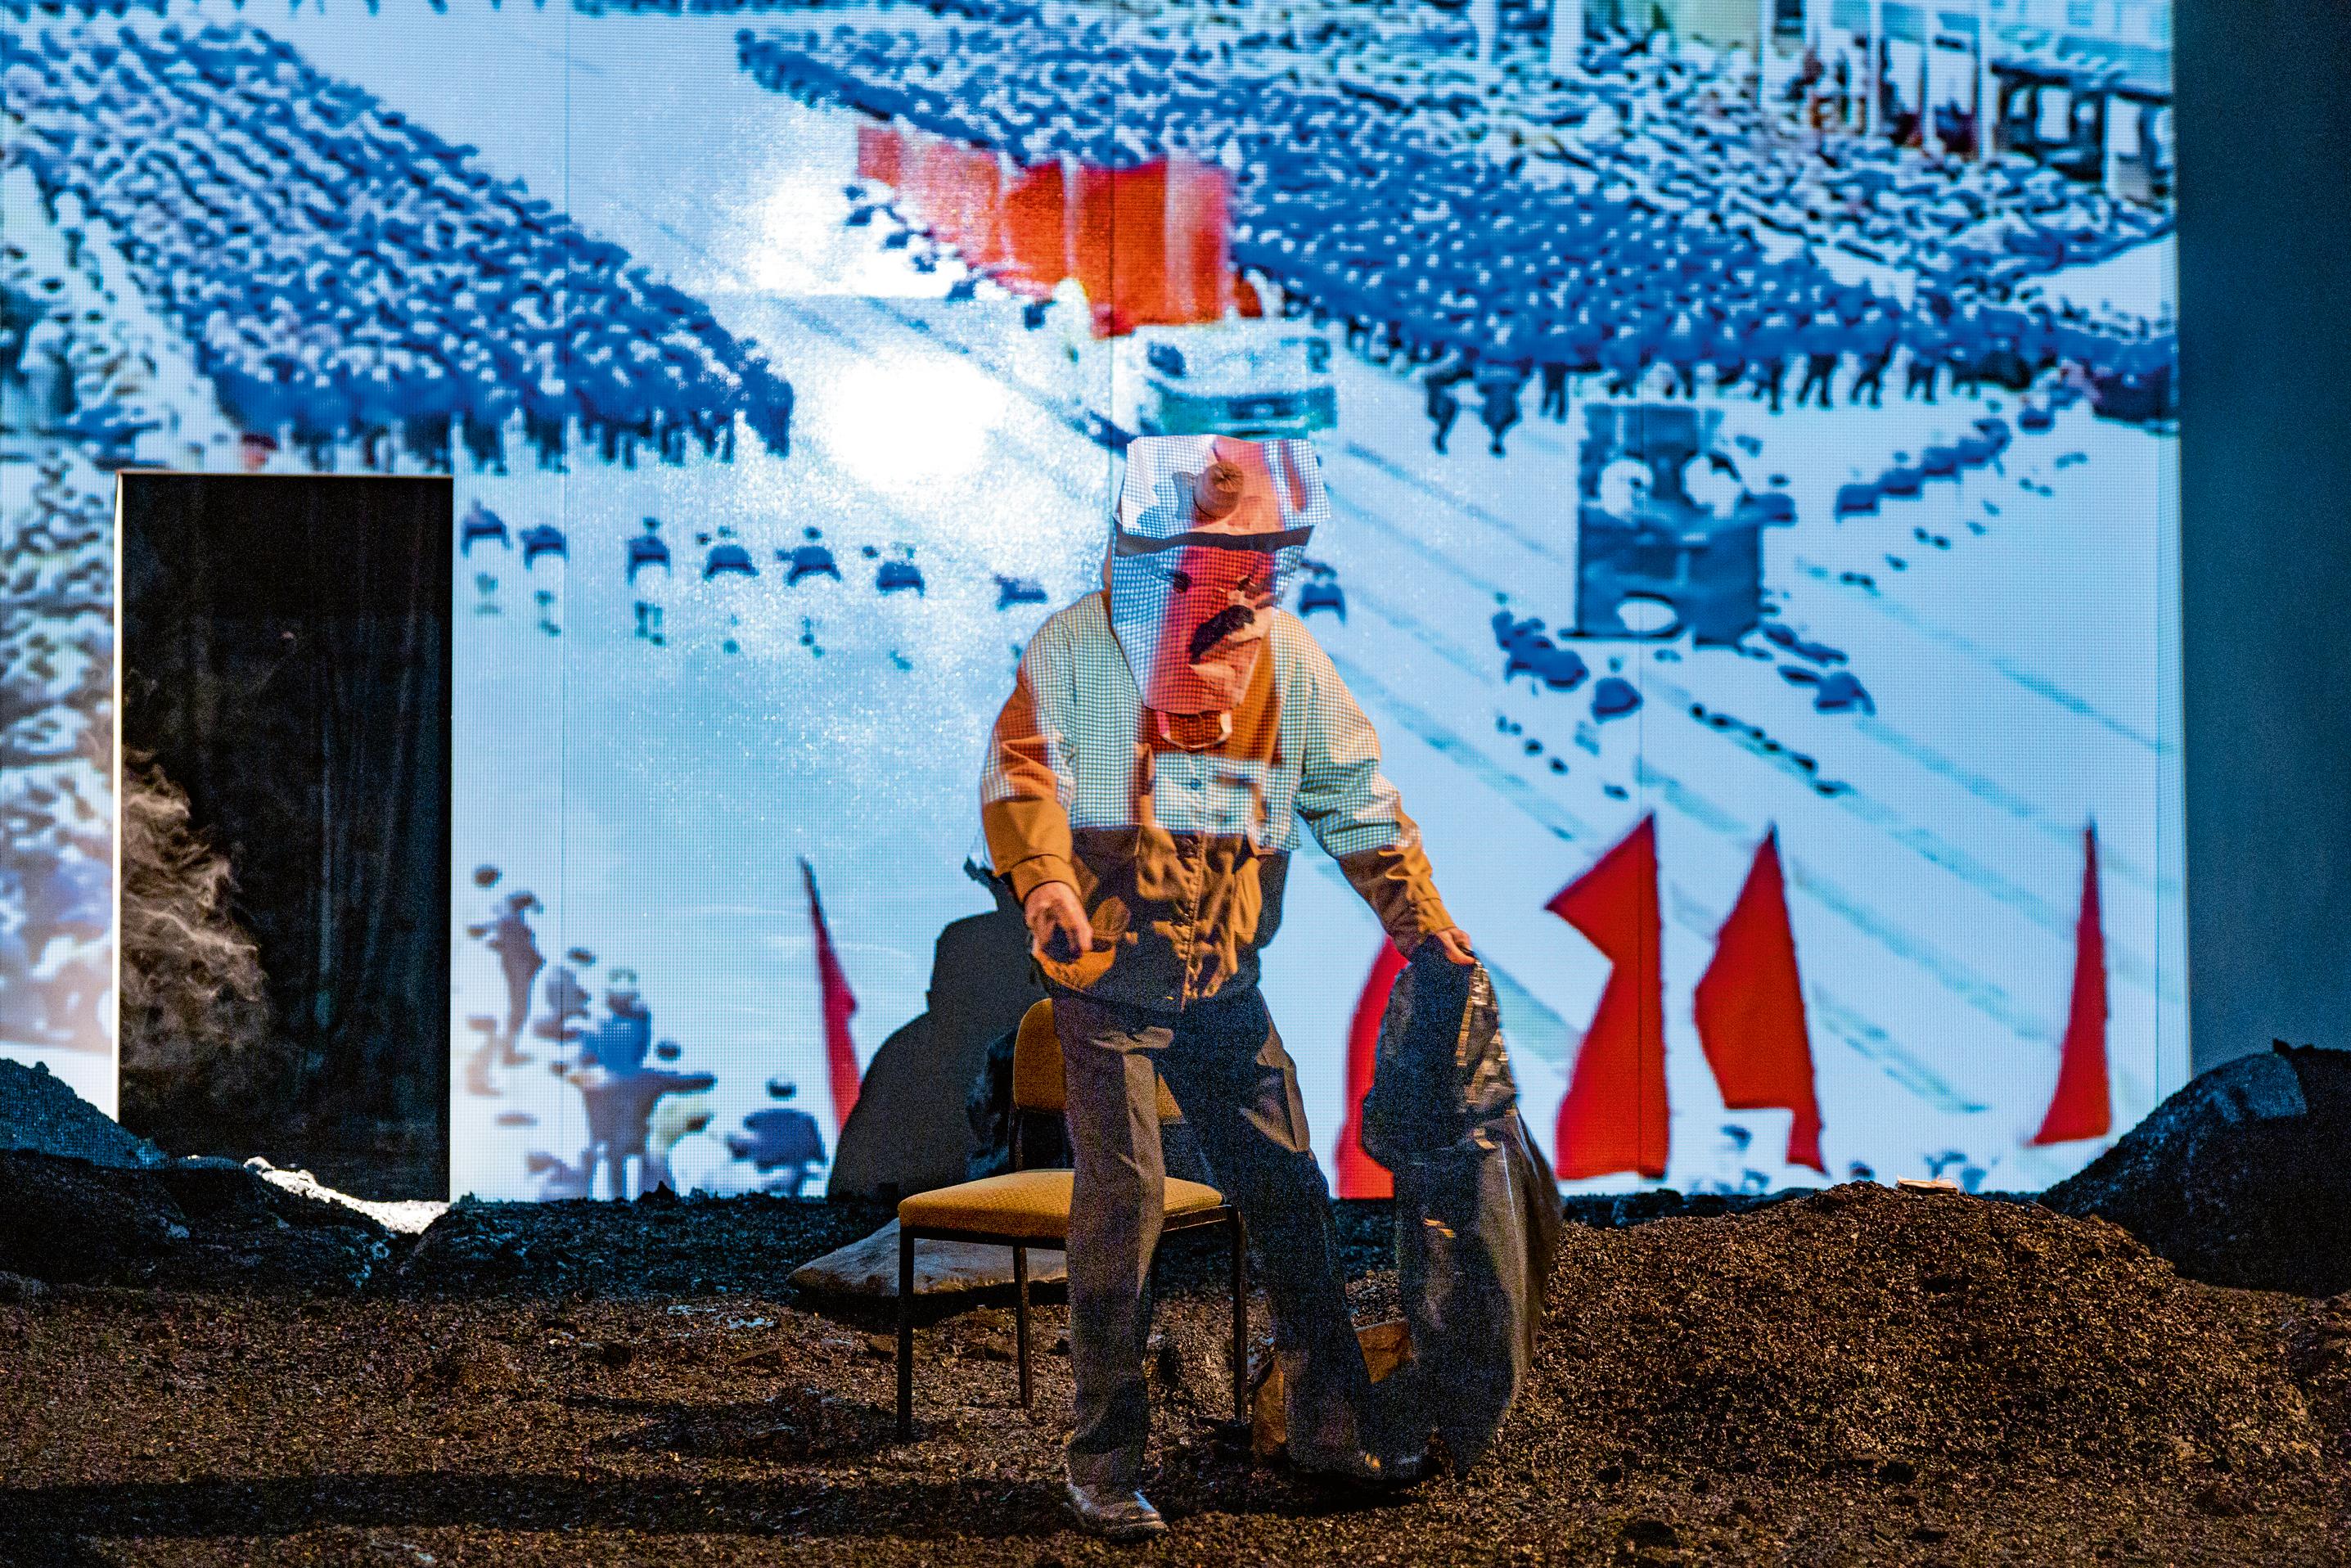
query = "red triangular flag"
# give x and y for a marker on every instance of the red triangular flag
(1199, 251)
(1751, 1009)
(840, 1050)
(1613, 1116)
(1034, 225)
(878, 151)
(2080, 1108)
(1360, 1176)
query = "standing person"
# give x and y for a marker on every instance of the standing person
(1554, 405)
(1767, 351)
(1874, 340)
(1625, 357)
(507, 933)
(1498, 401)
(1684, 347)
(1928, 343)
(1141, 798)
(1444, 405)
(1823, 341)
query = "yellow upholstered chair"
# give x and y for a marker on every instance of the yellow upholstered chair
(1024, 1209)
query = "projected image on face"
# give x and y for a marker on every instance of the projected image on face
(1211, 531)
(1737, 444)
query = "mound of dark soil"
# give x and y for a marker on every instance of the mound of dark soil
(1854, 1377)
(659, 1245)
(189, 1223)
(1899, 1335)
(2243, 1177)
(38, 1112)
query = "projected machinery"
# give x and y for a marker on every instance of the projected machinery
(1652, 557)
(1258, 380)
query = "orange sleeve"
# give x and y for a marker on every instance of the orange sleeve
(1026, 787)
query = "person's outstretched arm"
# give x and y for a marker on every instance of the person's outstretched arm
(1356, 814)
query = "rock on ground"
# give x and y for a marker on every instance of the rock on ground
(2243, 1177)
(870, 1268)
(659, 1245)
(188, 1224)
(38, 1112)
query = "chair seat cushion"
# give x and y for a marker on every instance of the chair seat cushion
(1027, 1206)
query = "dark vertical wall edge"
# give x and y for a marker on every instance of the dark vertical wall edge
(2264, 123)
(285, 648)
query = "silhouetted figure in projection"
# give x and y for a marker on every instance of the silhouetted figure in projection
(619, 1090)
(1498, 403)
(1554, 405)
(622, 1042)
(1443, 403)
(781, 1143)
(1928, 343)
(1875, 340)
(509, 937)
(567, 1004)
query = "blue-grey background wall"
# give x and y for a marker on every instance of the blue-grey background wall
(2265, 365)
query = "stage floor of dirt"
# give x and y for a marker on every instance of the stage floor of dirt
(1857, 1377)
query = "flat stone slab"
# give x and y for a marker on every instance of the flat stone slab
(870, 1268)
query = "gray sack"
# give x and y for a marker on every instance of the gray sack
(1477, 1210)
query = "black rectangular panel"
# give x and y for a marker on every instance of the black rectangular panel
(286, 661)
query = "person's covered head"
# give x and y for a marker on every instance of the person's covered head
(1210, 531)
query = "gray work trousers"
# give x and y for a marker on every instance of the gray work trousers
(1239, 1090)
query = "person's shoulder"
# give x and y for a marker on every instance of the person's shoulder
(1295, 650)
(1086, 617)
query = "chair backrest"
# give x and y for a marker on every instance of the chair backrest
(1036, 1067)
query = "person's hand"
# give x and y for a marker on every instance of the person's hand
(1058, 927)
(1453, 942)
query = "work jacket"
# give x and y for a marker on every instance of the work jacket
(1179, 857)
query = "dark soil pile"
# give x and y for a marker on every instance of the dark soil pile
(1863, 1330)
(660, 1245)
(2243, 1177)
(37, 1112)
(190, 1224)
(1858, 1377)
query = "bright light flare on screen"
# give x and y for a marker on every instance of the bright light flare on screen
(904, 429)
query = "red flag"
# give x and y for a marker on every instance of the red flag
(937, 205)
(1089, 218)
(1200, 256)
(839, 1003)
(1613, 1115)
(1034, 225)
(1751, 1009)
(979, 180)
(878, 154)
(1138, 241)
(1360, 1176)
(2080, 1108)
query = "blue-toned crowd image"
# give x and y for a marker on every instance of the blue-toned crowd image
(1749, 435)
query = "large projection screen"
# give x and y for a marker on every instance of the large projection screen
(1751, 443)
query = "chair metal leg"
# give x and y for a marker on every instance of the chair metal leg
(1020, 1317)
(905, 1333)
(1240, 1320)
